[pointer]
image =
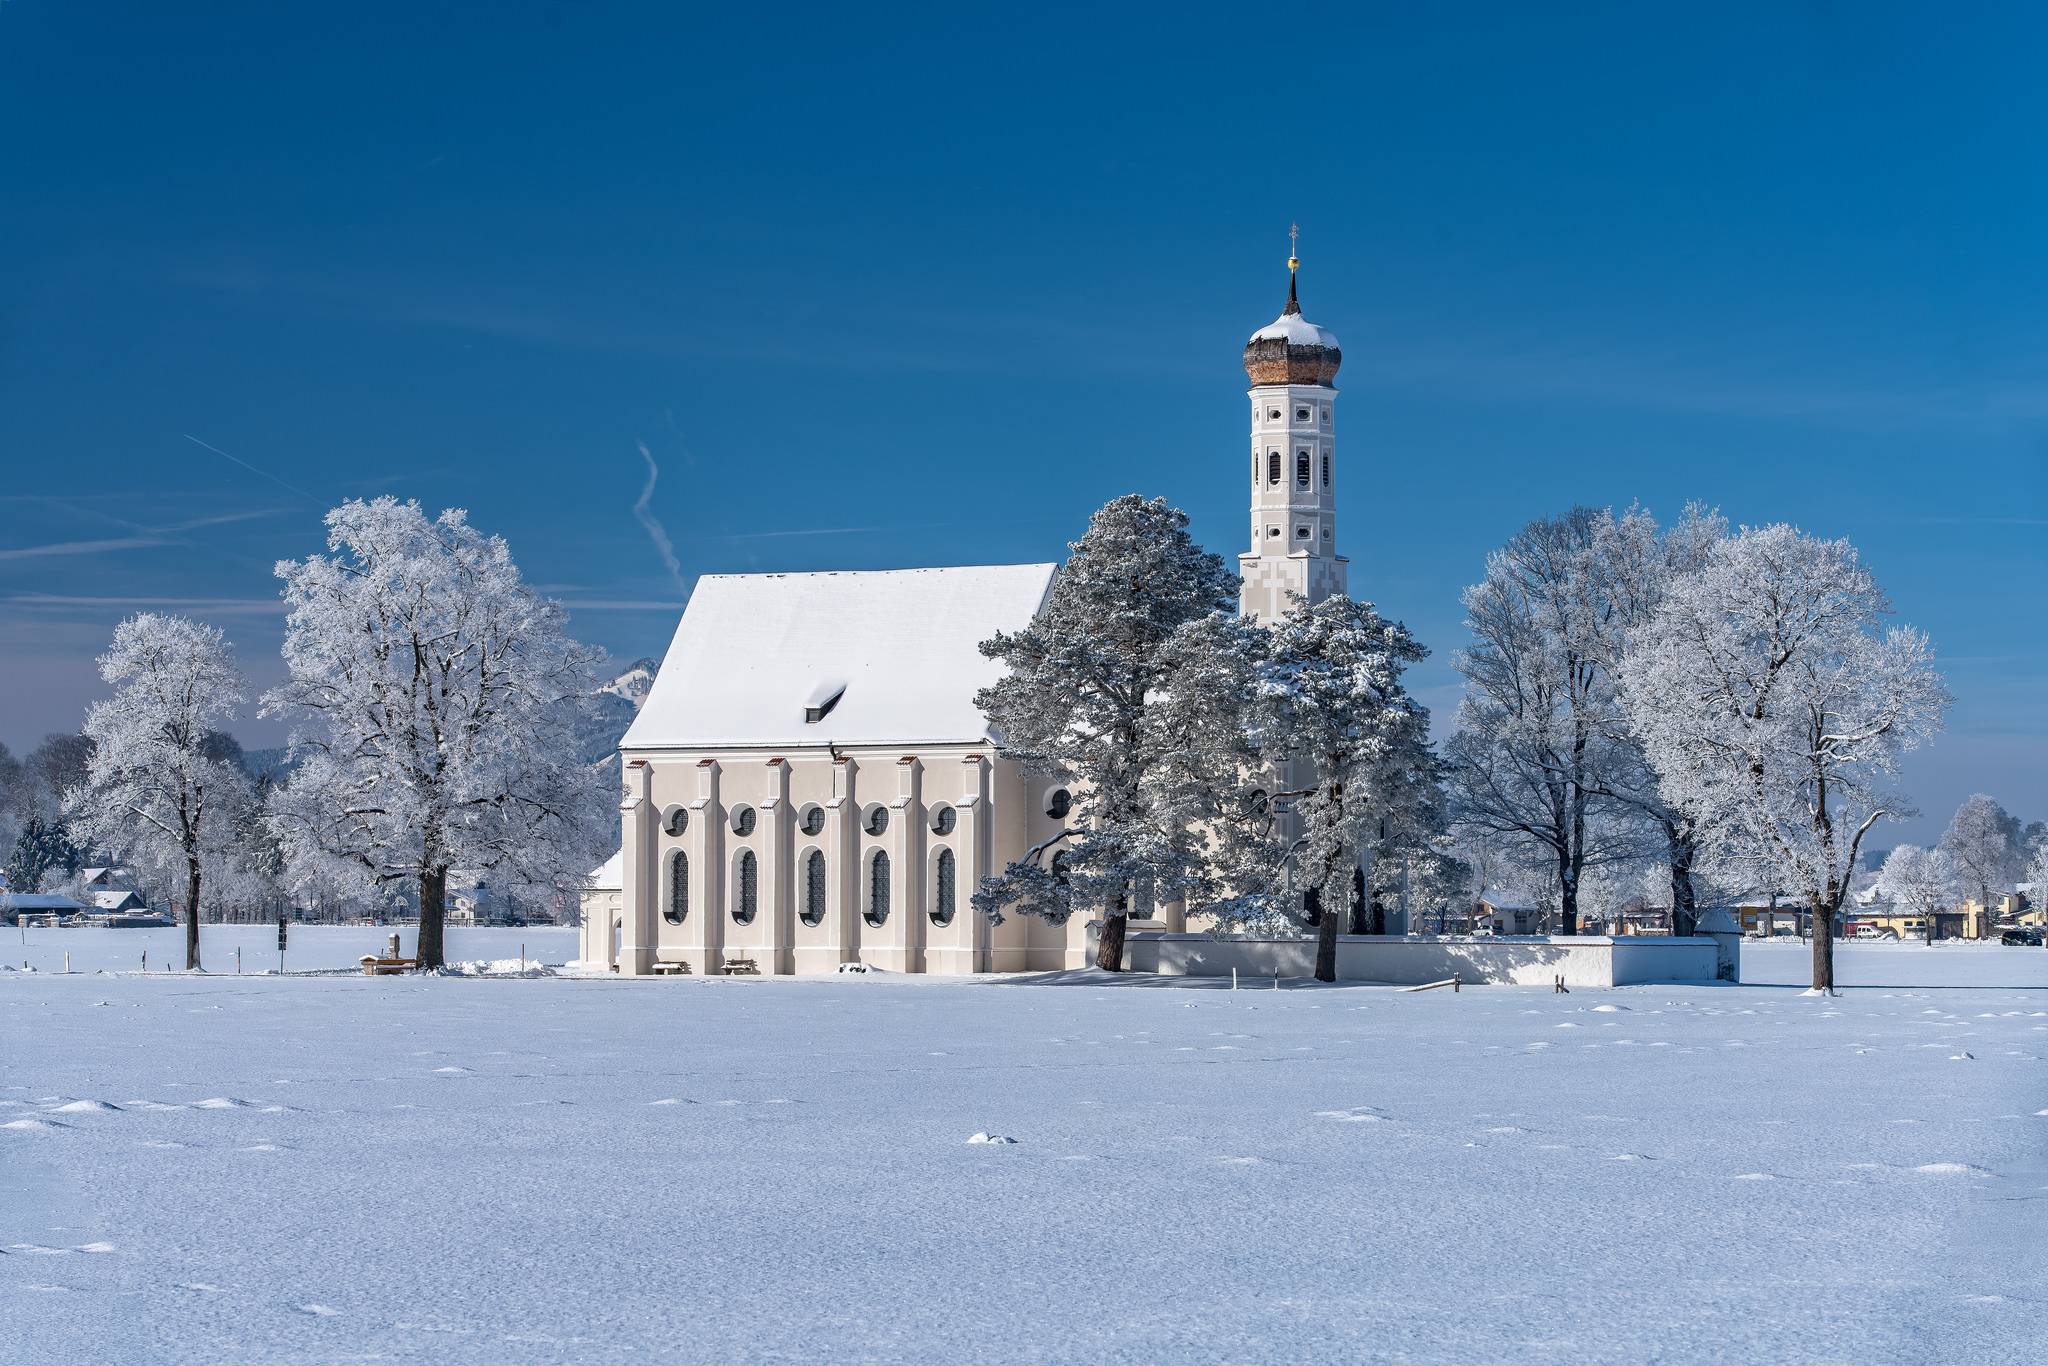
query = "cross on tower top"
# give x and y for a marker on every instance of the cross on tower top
(1293, 240)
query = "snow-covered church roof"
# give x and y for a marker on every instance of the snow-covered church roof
(886, 657)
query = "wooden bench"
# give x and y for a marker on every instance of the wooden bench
(374, 966)
(742, 967)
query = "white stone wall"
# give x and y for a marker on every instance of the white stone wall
(716, 807)
(1582, 960)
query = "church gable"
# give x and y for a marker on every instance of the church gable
(887, 657)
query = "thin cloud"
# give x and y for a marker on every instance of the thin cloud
(221, 519)
(222, 606)
(31, 552)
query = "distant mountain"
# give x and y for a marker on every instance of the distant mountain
(604, 724)
(634, 683)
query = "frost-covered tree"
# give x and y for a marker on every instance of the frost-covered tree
(1080, 681)
(1630, 566)
(156, 789)
(1922, 880)
(2037, 875)
(1774, 707)
(435, 699)
(1536, 756)
(1983, 841)
(1332, 702)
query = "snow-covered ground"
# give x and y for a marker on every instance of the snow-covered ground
(1951, 963)
(309, 947)
(559, 1169)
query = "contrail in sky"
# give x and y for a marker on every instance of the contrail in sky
(266, 474)
(653, 523)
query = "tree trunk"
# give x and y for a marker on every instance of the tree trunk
(1823, 949)
(191, 915)
(433, 903)
(1326, 947)
(1685, 906)
(1109, 954)
(1928, 927)
(1568, 898)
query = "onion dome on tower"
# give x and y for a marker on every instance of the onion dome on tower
(1291, 349)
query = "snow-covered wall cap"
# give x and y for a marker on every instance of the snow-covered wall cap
(752, 648)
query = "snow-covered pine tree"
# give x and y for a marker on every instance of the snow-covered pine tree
(1212, 789)
(42, 856)
(1075, 700)
(1983, 843)
(156, 789)
(436, 699)
(1922, 880)
(1773, 708)
(1332, 701)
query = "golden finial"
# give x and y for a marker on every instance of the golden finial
(1293, 241)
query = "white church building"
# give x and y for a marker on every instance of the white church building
(809, 783)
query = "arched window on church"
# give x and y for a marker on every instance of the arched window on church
(878, 888)
(1272, 467)
(679, 888)
(814, 887)
(945, 890)
(1326, 469)
(1301, 475)
(746, 889)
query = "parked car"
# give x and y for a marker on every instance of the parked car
(1866, 932)
(2022, 936)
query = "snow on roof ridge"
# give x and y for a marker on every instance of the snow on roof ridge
(879, 573)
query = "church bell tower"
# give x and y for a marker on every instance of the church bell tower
(1292, 364)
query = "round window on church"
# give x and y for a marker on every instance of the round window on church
(878, 820)
(677, 821)
(743, 820)
(1058, 803)
(812, 822)
(944, 819)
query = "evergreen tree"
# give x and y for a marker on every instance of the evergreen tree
(1076, 701)
(1332, 704)
(43, 855)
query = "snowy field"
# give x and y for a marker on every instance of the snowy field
(311, 948)
(329, 1167)
(1950, 963)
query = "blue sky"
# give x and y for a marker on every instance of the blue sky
(898, 287)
